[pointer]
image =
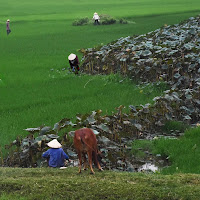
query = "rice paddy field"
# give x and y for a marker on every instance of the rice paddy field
(36, 87)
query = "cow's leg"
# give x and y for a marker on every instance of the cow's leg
(80, 161)
(85, 161)
(90, 161)
(97, 161)
(99, 167)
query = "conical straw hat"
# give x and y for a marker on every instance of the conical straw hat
(71, 56)
(54, 144)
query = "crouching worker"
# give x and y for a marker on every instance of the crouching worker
(56, 156)
(74, 62)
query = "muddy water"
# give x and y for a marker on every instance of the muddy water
(147, 167)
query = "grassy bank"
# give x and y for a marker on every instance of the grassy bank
(67, 184)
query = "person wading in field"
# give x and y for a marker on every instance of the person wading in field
(8, 27)
(96, 18)
(74, 62)
(56, 156)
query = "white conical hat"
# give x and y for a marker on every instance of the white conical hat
(95, 13)
(71, 56)
(8, 20)
(54, 144)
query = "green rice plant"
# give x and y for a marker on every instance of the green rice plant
(117, 78)
(139, 147)
(183, 153)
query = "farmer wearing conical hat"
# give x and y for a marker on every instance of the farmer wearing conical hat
(8, 27)
(56, 156)
(74, 62)
(96, 18)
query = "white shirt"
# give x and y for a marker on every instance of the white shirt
(95, 17)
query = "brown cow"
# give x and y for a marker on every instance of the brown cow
(85, 142)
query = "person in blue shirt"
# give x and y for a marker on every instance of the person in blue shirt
(56, 156)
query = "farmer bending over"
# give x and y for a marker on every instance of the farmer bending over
(74, 62)
(56, 156)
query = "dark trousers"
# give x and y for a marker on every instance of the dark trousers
(75, 69)
(8, 32)
(96, 22)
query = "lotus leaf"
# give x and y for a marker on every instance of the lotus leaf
(147, 68)
(138, 126)
(187, 117)
(71, 133)
(45, 130)
(133, 108)
(95, 132)
(177, 75)
(126, 122)
(25, 144)
(42, 137)
(52, 136)
(159, 123)
(145, 53)
(188, 96)
(164, 66)
(197, 101)
(169, 116)
(71, 153)
(189, 46)
(103, 127)
(130, 68)
(104, 140)
(56, 127)
(32, 129)
(91, 119)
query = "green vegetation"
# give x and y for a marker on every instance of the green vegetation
(43, 36)
(80, 22)
(68, 184)
(107, 20)
(35, 89)
(140, 146)
(65, 95)
(175, 125)
(183, 153)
